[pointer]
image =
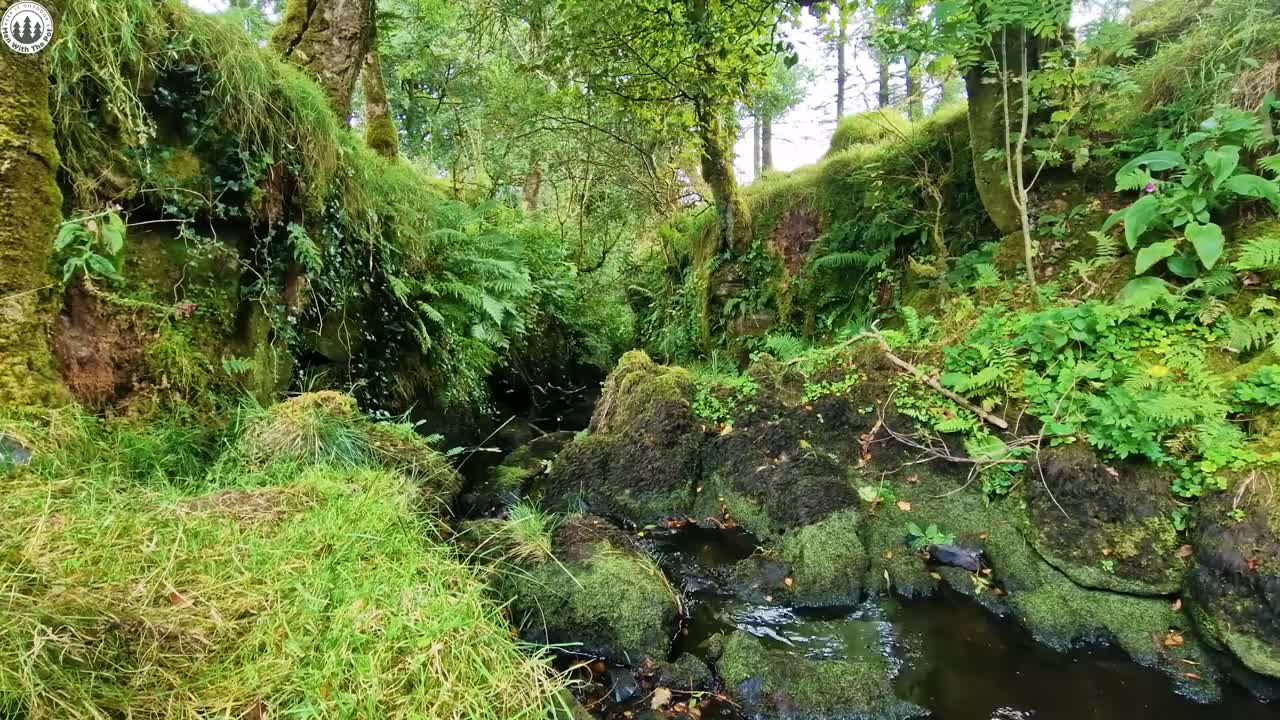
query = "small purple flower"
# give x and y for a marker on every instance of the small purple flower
(1150, 188)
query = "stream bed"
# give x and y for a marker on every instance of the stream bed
(946, 652)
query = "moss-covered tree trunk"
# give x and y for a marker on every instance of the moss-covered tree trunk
(379, 130)
(329, 39)
(987, 132)
(30, 212)
(717, 171)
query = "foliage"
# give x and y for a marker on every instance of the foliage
(180, 580)
(91, 247)
(1173, 220)
(920, 539)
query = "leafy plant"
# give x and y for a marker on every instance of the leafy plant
(1173, 220)
(91, 246)
(920, 539)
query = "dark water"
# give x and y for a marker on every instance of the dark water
(949, 654)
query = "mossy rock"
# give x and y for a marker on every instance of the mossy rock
(773, 684)
(601, 595)
(640, 461)
(687, 672)
(814, 566)
(518, 472)
(868, 127)
(1105, 526)
(1235, 587)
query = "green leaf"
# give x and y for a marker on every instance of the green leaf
(1155, 161)
(1255, 186)
(67, 234)
(1138, 217)
(1208, 242)
(1221, 163)
(1183, 266)
(1152, 254)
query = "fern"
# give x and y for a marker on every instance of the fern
(1261, 253)
(785, 347)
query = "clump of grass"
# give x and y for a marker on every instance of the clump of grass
(287, 590)
(531, 531)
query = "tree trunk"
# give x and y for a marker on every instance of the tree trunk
(379, 129)
(532, 182)
(915, 89)
(884, 96)
(987, 132)
(329, 39)
(717, 171)
(30, 212)
(766, 144)
(755, 145)
(842, 73)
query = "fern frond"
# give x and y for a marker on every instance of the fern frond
(1262, 253)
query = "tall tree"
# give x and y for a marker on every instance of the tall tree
(379, 129)
(834, 32)
(783, 90)
(330, 39)
(659, 57)
(30, 212)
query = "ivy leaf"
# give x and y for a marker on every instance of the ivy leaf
(1138, 218)
(1207, 240)
(1255, 186)
(1152, 254)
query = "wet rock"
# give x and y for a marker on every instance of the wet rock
(13, 451)
(688, 672)
(954, 556)
(770, 683)
(817, 565)
(640, 461)
(600, 595)
(1105, 525)
(1235, 587)
(623, 687)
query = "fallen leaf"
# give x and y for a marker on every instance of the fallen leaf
(661, 698)
(1191, 676)
(984, 536)
(789, 582)
(1177, 605)
(913, 479)
(178, 599)
(888, 554)
(1106, 552)
(1185, 551)
(986, 572)
(1173, 639)
(904, 506)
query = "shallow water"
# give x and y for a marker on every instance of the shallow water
(950, 655)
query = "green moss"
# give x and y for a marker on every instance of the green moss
(613, 602)
(775, 684)
(1260, 657)
(827, 561)
(688, 672)
(635, 392)
(868, 127)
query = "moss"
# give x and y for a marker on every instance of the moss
(612, 602)
(827, 561)
(775, 684)
(636, 390)
(1259, 656)
(687, 672)
(868, 127)
(30, 208)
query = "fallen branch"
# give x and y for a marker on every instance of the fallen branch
(937, 386)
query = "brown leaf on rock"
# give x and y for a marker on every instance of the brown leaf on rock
(661, 698)
(904, 506)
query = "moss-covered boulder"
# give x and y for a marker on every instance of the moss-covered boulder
(1105, 525)
(687, 672)
(817, 565)
(1235, 587)
(640, 460)
(600, 595)
(868, 127)
(769, 683)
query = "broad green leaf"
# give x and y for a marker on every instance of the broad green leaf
(1255, 186)
(1208, 242)
(1221, 163)
(1152, 254)
(1138, 218)
(67, 234)
(1155, 161)
(1184, 266)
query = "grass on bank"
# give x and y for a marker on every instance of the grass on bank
(141, 577)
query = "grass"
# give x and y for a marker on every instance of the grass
(148, 575)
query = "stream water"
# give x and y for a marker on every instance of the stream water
(949, 654)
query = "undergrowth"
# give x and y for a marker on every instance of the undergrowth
(154, 574)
